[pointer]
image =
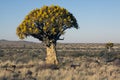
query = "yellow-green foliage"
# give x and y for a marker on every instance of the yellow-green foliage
(48, 22)
(109, 45)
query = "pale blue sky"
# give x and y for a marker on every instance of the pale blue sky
(99, 20)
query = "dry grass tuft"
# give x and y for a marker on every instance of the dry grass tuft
(77, 62)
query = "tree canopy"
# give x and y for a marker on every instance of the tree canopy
(46, 24)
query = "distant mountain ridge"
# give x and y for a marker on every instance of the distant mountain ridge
(8, 43)
(4, 40)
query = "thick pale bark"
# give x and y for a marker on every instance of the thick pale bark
(109, 49)
(51, 57)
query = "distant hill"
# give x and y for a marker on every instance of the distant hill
(7, 43)
(75, 46)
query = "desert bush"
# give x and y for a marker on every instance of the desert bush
(3, 78)
(109, 56)
(91, 65)
(15, 76)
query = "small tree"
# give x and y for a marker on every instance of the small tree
(47, 24)
(109, 46)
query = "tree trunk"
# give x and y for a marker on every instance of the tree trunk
(51, 57)
(109, 49)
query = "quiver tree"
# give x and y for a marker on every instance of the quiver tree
(109, 46)
(47, 24)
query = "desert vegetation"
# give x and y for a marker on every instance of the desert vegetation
(77, 61)
(109, 46)
(49, 60)
(47, 24)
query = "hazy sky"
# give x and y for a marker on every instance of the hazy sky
(99, 20)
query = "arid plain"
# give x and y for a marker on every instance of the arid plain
(21, 60)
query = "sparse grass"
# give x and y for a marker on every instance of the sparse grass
(74, 64)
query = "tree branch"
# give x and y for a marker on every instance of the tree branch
(59, 34)
(40, 28)
(37, 36)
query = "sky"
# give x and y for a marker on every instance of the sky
(99, 20)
